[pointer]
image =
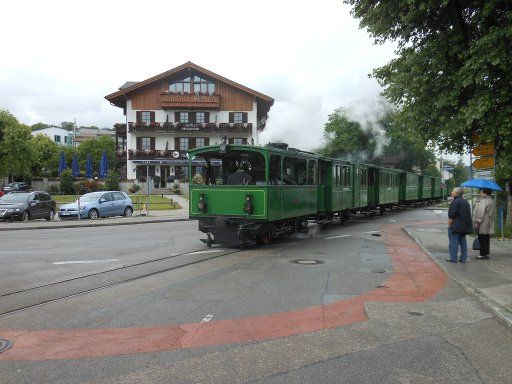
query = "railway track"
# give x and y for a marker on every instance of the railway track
(21, 300)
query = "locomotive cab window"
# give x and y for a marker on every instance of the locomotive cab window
(232, 168)
(275, 170)
(312, 172)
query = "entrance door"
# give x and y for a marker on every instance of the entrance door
(164, 174)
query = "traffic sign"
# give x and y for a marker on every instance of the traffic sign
(483, 150)
(488, 175)
(484, 163)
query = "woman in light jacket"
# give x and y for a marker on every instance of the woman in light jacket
(483, 220)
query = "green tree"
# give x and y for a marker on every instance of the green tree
(67, 125)
(46, 155)
(38, 126)
(95, 148)
(66, 182)
(112, 181)
(346, 138)
(451, 78)
(459, 173)
(16, 154)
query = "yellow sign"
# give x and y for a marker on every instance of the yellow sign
(484, 163)
(483, 150)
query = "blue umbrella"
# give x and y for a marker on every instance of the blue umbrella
(75, 170)
(103, 165)
(62, 163)
(88, 167)
(481, 183)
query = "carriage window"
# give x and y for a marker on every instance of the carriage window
(312, 172)
(294, 171)
(346, 176)
(363, 179)
(338, 176)
(275, 170)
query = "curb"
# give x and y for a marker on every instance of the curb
(502, 314)
(94, 224)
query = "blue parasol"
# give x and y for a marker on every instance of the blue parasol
(103, 165)
(481, 184)
(75, 170)
(62, 163)
(88, 167)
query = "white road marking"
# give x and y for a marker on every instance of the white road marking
(393, 221)
(438, 211)
(207, 318)
(336, 237)
(84, 261)
(371, 232)
(208, 251)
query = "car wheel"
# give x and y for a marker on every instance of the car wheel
(51, 215)
(93, 214)
(25, 216)
(128, 211)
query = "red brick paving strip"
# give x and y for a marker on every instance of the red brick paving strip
(416, 278)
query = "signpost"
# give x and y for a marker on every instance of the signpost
(487, 174)
(484, 163)
(483, 150)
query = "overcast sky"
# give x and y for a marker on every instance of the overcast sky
(60, 58)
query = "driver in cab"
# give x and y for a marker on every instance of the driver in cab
(241, 176)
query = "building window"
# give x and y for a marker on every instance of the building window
(183, 143)
(65, 139)
(199, 142)
(183, 117)
(56, 138)
(238, 141)
(200, 117)
(194, 84)
(146, 144)
(145, 117)
(121, 143)
(238, 118)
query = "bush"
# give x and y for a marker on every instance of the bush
(87, 186)
(134, 188)
(142, 179)
(176, 189)
(66, 182)
(54, 188)
(198, 179)
(156, 181)
(112, 181)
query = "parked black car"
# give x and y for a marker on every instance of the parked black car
(27, 205)
(16, 186)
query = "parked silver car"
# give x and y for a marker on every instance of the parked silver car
(98, 204)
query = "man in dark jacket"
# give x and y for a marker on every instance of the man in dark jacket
(459, 225)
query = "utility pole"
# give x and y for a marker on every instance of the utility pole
(74, 134)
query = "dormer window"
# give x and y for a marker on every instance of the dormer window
(195, 84)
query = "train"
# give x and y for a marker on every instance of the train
(244, 194)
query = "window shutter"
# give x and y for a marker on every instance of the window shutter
(244, 140)
(176, 143)
(244, 117)
(139, 143)
(191, 117)
(139, 116)
(231, 140)
(206, 141)
(176, 117)
(207, 117)
(152, 143)
(231, 117)
(152, 116)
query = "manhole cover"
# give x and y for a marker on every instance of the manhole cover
(5, 345)
(376, 234)
(378, 271)
(412, 313)
(307, 262)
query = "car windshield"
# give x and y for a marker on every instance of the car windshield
(90, 197)
(14, 198)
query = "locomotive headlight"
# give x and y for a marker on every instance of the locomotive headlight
(248, 206)
(201, 205)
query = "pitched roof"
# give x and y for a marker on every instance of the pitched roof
(131, 86)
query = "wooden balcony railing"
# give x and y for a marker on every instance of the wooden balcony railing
(120, 129)
(189, 100)
(156, 154)
(195, 127)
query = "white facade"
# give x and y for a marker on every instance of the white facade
(59, 135)
(166, 141)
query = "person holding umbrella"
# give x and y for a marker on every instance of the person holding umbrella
(483, 215)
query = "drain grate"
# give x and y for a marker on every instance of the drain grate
(378, 271)
(307, 262)
(412, 313)
(5, 345)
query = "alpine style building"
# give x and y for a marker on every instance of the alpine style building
(181, 109)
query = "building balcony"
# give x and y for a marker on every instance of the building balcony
(169, 100)
(121, 155)
(156, 154)
(173, 128)
(120, 129)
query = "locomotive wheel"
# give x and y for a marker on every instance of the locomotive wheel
(264, 238)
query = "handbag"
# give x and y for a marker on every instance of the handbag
(476, 242)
